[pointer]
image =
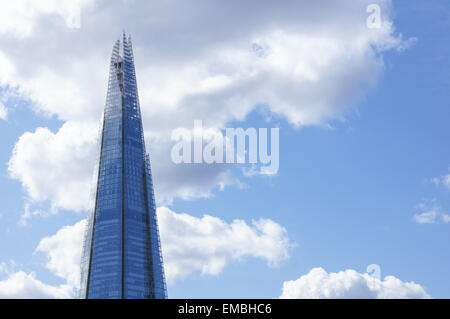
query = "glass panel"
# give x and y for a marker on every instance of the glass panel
(122, 255)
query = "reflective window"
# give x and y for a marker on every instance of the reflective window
(122, 255)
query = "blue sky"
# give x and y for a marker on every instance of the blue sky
(351, 178)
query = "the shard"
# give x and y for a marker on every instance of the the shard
(121, 256)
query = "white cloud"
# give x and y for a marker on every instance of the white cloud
(3, 267)
(20, 18)
(24, 286)
(208, 244)
(8, 268)
(319, 284)
(306, 62)
(29, 212)
(189, 244)
(446, 181)
(429, 213)
(428, 217)
(443, 180)
(56, 167)
(301, 68)
(3, 112)
(63, 252)
(446, 218)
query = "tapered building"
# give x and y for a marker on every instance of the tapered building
(121, 252)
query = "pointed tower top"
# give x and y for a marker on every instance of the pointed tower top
(123, 208)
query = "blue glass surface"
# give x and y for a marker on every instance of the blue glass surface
(122, 252)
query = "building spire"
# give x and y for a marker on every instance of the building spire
(121, 252)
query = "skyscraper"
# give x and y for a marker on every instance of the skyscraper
(121, 251)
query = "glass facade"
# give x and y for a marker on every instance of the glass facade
(121, 251)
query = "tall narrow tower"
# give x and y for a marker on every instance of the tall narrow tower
(121, 252)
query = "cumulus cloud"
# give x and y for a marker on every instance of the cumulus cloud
(208, 244)
(56, 167)
(189, 245)
(306, 66)
(305, 62)
(63, 252)
(319, 284)
(20, 285)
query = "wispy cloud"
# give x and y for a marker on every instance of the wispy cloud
(430, 213)
(3, 112)
(443, 180)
